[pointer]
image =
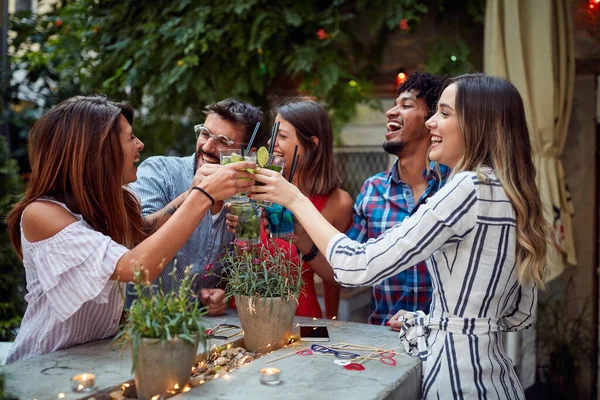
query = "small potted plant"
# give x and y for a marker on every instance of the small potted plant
(163, 331)
(266, 282)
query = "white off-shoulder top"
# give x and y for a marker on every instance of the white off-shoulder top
(71, 299)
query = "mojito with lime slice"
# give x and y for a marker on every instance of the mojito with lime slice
(274, 163)
(235, 155)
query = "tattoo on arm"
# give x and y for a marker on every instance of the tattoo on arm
(150, 225)
(171, 210)
(154, 221)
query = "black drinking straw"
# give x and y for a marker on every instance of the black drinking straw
(271, 143)
(274, 133)
(294, 163)
(294, 167)
(251, 139)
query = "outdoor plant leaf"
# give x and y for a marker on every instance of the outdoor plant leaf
(155, 314)
(262, 271)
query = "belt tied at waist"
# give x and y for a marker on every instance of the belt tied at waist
(416, 326)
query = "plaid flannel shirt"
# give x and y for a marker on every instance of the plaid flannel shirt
(384, 201)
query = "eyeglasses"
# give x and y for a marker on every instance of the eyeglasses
(201, 131)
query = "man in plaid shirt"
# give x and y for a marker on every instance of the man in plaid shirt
(387, 198)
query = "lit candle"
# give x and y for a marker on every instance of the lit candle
(270, 376)
(83, 383)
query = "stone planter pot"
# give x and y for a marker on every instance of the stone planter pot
(162, 365)
(265, 321)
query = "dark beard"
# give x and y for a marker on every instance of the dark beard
(393, 148)
(196, 155)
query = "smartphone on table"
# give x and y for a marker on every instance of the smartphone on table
(314, 333)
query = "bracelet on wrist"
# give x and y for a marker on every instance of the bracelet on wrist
(310, 255)
(198, 188)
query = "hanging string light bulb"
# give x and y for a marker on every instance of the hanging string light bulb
(400, 78)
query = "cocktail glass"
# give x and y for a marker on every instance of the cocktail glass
(235, 155)
(281, 221)
(248, 228)
(277, 163)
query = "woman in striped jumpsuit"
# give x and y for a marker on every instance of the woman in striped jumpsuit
(483, 237)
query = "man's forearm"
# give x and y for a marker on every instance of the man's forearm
(154, 221)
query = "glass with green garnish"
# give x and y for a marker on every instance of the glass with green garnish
(235, 155)
(248, 228)
(274, 163)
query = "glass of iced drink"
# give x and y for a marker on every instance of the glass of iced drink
(274, 163)
(281, 221)
(248, 228)
(235, 155)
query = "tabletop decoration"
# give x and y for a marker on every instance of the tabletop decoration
(83, 382)
(270, 376)
(354, 367)
(340, 351)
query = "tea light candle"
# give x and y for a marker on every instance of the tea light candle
(270, 376)
(83, 383)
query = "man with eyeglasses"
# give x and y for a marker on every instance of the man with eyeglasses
(163, 183)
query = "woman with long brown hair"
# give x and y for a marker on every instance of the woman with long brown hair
(306, 124)
(79, 228)
(482, 235)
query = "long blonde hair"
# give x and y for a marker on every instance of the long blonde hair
(491, 119)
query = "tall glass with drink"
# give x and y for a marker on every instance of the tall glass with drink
(235, 155)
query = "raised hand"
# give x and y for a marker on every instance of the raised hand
(276, 189)
(226, 181)
(205, 170)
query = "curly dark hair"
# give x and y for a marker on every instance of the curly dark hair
(427, 85)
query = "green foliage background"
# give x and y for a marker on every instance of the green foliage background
(171, 58)
(12, 273)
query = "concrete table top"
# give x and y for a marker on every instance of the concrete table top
(309, 377)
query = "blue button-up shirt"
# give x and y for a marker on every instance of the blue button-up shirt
(384, 201)
(159, 181)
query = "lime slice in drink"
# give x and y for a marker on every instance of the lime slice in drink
(262, 157)
(236, 157)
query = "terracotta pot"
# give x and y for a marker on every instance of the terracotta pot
(162, 365)
(265, 321)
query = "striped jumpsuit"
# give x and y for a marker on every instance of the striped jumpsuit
(466, 233)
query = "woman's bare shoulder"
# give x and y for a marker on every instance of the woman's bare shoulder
(341, 199)
(44, 219)
(338, 210)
